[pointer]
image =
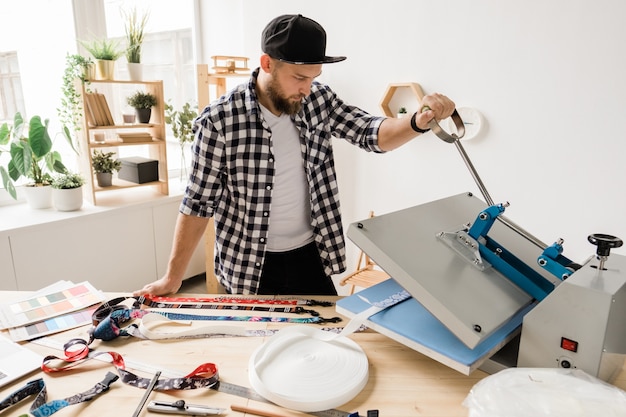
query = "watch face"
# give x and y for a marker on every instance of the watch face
(472, 121)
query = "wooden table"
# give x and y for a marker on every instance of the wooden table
(402, 382)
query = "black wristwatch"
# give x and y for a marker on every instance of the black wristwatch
(414, 125)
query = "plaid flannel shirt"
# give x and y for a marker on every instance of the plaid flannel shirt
(232, 177)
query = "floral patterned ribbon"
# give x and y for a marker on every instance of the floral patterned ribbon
(77, 352)
(42, 408)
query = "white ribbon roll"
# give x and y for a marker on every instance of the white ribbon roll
(308, 369)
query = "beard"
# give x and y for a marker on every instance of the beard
(282, 104)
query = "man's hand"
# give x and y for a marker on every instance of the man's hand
(434, 106)
(164, 286)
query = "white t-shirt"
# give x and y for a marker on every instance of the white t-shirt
(290, 216)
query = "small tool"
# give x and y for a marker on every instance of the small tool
(180, 407)
(149, 389)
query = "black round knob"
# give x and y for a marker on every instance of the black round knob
(566, 364)
(604, 243)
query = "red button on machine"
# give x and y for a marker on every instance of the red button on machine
(569, 344)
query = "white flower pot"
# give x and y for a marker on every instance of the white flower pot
(135, 71)
(38, 197)
(69, 199)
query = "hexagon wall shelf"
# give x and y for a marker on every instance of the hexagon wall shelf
(414, 88)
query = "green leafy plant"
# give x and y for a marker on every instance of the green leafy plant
(402, 110)
(105, 49)
(104, 162)
(135, 26)
(181, 122)
(68, 180)
(141, 100)
(77, 67)
(32, 156)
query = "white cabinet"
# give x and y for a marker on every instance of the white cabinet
(116, 249)
(111, 251)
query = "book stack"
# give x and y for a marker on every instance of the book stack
(97, 110)
(134, 137)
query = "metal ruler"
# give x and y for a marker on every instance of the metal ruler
(221, 386)
(249, 393)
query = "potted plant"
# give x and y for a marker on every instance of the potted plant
(104, 165)
(142, 103)
(135, 26)
(401, 112)
(31, 157)
(181, 122)
(67, 192)
(105, 52)
(77, 67)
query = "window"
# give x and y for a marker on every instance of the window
(11, 97)
(167, 54)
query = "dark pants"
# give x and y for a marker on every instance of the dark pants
(295, 272)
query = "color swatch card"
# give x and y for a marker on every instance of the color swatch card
(52, 325)
(59, 299)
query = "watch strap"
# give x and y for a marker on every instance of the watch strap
(414, 125)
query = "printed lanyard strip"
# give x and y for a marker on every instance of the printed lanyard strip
(237, 300)
(240, 307)
(110, 327)
(77, 352)
(108, 307)
(42, 408)
(109, 318)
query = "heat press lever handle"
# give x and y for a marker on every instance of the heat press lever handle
(455, 138)
(604, 243)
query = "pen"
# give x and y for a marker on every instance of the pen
(149, 389)
(256, 412)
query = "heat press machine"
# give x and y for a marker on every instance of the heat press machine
(487, 294)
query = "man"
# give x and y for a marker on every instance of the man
(263, 166)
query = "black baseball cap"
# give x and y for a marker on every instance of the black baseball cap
(296, 39)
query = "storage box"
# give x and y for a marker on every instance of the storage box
(139, 170)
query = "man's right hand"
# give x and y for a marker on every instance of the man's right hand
(163, 286)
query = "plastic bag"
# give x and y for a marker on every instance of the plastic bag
(536, 392)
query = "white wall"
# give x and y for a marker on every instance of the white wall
(549, 78)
